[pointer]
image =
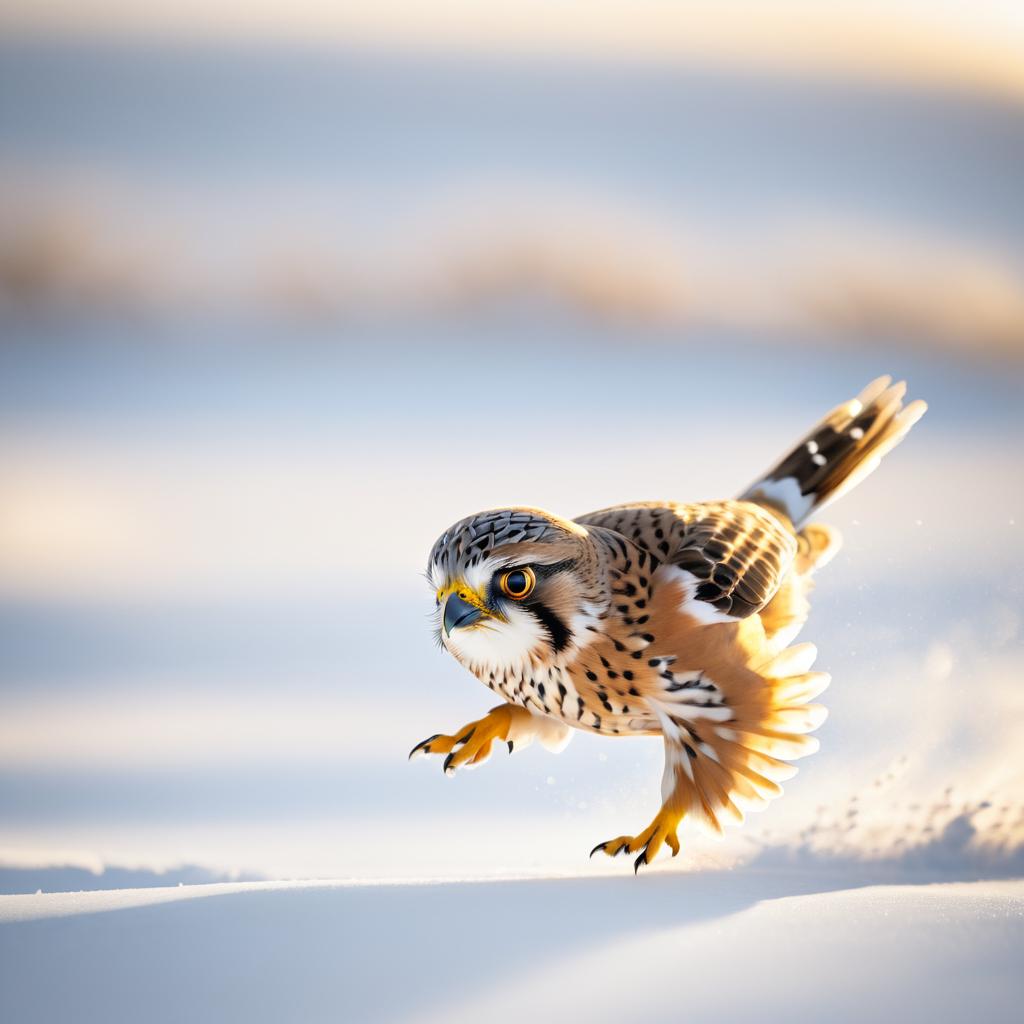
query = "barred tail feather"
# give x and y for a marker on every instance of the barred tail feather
(844, 448)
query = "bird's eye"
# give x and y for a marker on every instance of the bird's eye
(517, 583)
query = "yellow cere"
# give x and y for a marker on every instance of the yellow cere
(467, 594)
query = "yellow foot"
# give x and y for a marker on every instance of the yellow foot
(648, 842)
(471, 745)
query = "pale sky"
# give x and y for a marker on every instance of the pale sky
(972, 43)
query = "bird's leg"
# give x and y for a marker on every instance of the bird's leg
(666, 821)
(508, 723)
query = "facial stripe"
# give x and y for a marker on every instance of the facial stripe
(556, 628)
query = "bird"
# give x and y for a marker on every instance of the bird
(661, 618)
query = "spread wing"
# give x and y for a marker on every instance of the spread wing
(737, 552)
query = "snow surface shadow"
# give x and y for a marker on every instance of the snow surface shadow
(372, 953)
(71, 878)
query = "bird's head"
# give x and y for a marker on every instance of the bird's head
(511, 584)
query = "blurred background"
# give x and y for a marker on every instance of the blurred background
(284, 292)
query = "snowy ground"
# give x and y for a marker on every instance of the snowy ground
(770, 946)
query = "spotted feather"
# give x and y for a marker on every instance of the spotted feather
(735, 553)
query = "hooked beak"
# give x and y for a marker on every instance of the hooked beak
(459, 613)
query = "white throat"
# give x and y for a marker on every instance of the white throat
(494, 646)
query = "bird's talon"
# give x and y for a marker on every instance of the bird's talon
(648, 842)
(423, 747)
(612, 847)
(471, 745)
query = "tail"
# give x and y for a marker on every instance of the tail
(839, 452)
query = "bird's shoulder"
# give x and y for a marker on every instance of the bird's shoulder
(734, 553)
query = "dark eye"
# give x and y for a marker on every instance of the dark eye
(517, 583)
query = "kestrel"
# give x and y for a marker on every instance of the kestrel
(661, 619)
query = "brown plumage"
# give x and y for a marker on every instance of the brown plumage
(661, 618)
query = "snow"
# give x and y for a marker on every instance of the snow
(707, 946)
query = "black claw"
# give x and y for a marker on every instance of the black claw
(642, 859)
(448, 760)
(467, 737)
(596, 848)
(424, 745)
(510, 746)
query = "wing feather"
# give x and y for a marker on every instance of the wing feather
(737, 552)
